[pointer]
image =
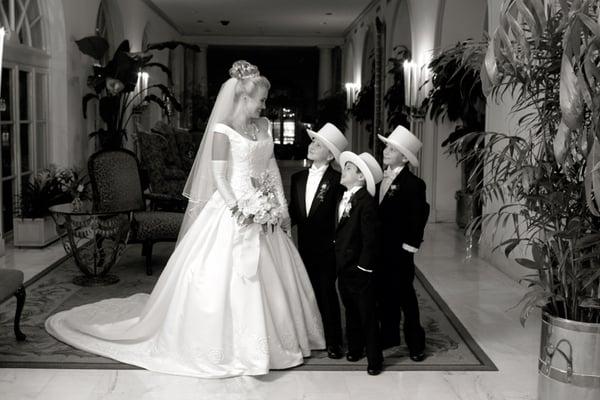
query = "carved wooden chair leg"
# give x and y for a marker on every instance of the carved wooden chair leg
(20, 295)
(148, 245)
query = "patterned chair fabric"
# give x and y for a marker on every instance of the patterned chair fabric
(166, 168)
(117, 186)
(115, 181)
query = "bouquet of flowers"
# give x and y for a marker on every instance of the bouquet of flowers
(261, 206)
(73, 183)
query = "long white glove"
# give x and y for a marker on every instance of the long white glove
(273, 170)
(219, 170)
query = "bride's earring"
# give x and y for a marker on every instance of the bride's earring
(246, 105)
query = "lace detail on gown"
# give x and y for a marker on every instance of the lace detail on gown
(212, 313)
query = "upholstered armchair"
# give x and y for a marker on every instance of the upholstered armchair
(116, 185)
(166, 155)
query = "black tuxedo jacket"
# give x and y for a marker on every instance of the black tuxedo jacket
(357, 238)
(403, 211)
(316, 231)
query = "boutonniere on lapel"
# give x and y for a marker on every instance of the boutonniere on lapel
(392, 190)
(322, 191)
(347, 209)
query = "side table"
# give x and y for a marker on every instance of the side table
(95, 238)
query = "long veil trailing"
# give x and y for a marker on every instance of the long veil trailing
(200, 184)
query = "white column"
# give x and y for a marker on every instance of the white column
(325, 73)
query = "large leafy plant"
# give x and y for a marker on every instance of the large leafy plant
(48, 187)
(456, 93)
(114, 85)
(546, 178)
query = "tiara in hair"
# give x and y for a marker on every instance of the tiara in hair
(243, 69)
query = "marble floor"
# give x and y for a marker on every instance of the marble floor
(482, 297)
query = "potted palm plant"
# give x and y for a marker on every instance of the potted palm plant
(456, 95)
(32, 225)
(115, 86)
(545, 180)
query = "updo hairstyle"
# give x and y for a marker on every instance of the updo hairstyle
(249, 78)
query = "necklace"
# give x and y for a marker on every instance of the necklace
(252, 133)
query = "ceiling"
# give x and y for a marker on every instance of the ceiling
(291, 18)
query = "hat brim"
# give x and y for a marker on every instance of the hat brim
(412, 159)
(334, 150)
(363, 168)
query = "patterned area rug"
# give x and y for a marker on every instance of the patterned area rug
(449, 345)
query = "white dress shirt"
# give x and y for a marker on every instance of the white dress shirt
(312, 184)
(346, 199)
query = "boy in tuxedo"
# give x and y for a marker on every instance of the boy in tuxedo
(356, 250)
(313, 205)
(404, 212)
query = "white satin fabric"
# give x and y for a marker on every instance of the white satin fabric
(230, 301)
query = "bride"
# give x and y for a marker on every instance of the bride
(234, 298)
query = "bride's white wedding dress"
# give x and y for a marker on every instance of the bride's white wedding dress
(230, 301)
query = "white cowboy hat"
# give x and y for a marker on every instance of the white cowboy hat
(405, 142)
(367, 164)
(332, 138)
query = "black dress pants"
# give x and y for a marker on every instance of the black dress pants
(396, 296)
(362, 328)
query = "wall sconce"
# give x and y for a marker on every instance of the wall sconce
(415, 76)
(142, 87)
(414, 93)
(352, 90)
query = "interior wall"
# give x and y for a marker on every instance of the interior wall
(69, 143)
(453, 30)
(499, 119)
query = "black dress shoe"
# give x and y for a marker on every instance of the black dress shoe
(353, 357)
(374, 369)
(417, 357)
(335, 352)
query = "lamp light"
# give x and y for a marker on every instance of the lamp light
(142, 86)
(414, 77)
(352, 90)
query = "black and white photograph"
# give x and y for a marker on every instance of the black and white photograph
(300, 199)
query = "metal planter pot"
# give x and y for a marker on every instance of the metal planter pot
(569, 361)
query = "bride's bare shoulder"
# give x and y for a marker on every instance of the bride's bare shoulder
(227, 122)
